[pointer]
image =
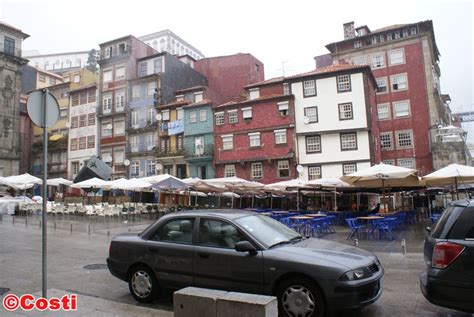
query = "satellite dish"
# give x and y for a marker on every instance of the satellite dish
(158, 116)
(306, 120)
(68, 124)
(109, 126)
(159, 167)
(126, 162)
(299, 168)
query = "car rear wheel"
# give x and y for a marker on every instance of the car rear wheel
(142, 284)
(298, 297)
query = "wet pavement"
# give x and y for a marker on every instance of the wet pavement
(87, 244)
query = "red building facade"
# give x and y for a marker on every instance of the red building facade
(404, 61)
(227, 75)
(255, 138)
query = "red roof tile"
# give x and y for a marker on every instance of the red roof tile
(266, 82)
(329, 69)
(263, 98)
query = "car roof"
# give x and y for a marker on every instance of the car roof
(225, 213)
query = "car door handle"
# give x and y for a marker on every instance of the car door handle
(154, 250)
(203, 255)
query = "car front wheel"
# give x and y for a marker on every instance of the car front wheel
(142, 284)
(298, 297)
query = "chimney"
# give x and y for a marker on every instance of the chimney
(349, 31)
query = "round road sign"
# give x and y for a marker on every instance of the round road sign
(36, 112)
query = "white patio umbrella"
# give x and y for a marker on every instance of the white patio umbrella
(233, 183)
(59, 181)
(288, 185)
(23, 179)
(450, 175)
(382, 175)
(331, 182)
(92, 183)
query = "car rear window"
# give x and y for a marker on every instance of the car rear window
(444, 224)
(464, 226)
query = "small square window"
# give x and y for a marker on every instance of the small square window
(383, 111)
(312, 114)
(313, 144)
(406, 162)
(349, 168)
(227, 142)
(381, 85)
(396, 57)
(314, 172)
(280, 136)
(378, 60)
(404, 139)
(219, 118)
(283, 108)
(192, 116)
(386, 141)
(256, 170)
(202, 115)
(233, 116)
(399, 82)
(229, 170)
(343, 83)
(345, 111)
(254, 139)
(309, 88)
(357, 44)
(247, 113)
(348, 141)
(283, 169)
(401, 109)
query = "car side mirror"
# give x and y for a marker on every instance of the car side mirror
(245, 246)
(428, 229)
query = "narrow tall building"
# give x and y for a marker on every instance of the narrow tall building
(404, 59)
(11, 61)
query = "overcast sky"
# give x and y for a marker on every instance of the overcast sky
(288, 33)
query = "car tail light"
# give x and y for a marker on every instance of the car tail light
(444, 253)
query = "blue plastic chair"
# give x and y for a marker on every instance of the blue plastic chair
(354, 226)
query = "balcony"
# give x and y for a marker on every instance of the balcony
(142, 126)
(110, 54)
(112, 109)
(60, 144)
(10, 51)
(170, 152)
(201, 151)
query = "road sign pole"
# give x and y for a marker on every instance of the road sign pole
(45, 188)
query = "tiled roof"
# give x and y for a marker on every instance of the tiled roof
(263, 98)
(14, 29)
(266, 82)
(199, 103)
(175, 103)
(191, 88)
(329, 69)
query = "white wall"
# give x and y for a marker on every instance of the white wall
(327, 101)
(334, 170)
(74, 58)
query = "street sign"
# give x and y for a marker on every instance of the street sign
(34, 106)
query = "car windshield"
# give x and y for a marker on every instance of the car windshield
(267, 230)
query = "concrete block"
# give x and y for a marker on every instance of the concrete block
(246, 305)
(196, 302)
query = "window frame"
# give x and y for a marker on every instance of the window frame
(389, 113)
(161, 227)
(351, 111)
(306, 115)
(219, 118)
(373, 58)
(387, 86)
(315, 167)
(348, 164)
(253, 170)
(279, 169)
(305, 95)
(279, 133)
(227, 139)
(317, 136)
(245, 113)
(341, 135)
(233, 116)
(384, 148)
(343, 89)
(255, 136)
(397, 137)
(401, 102)
(402, 50)
(193, 116)
(227, 172)
(392, 82)
(201, 117)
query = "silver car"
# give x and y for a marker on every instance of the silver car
(245, 252)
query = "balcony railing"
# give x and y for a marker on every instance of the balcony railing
(170, 152)
(117, 51)
(201, 151)
(112, 109)
(11, 51)
(145, 125)
(37, 147)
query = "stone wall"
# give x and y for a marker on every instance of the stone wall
(445, 153)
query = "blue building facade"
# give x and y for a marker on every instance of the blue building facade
(199, 139)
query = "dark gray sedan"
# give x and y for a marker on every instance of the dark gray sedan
(245, 252)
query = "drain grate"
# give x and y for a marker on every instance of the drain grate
(3, 290)
(95, 267)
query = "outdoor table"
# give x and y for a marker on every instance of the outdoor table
(266, 213)
(370, 218)
(315, 215)
(279, 212)
(301, 217)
